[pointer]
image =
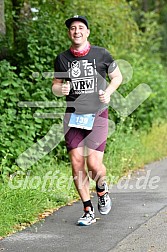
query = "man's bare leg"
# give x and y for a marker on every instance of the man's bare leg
(79, 173)
(98, 173)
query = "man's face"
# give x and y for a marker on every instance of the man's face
(78, 33)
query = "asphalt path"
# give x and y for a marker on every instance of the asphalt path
(137, 221)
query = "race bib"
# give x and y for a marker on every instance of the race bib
(84, 121)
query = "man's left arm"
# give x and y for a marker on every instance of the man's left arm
(115, 81)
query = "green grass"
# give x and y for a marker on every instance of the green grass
(132, 150)
(30, 196)
(27, 197)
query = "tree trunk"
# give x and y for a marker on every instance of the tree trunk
(2, 18)
(145, 5)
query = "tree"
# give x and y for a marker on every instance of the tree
(2, 18)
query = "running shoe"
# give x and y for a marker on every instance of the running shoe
(104, 201)
(87, 218)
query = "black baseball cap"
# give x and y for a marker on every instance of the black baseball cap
(76, 18)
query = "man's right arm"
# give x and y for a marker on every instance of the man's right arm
(59, 88)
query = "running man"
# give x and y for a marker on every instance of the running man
(86, 119)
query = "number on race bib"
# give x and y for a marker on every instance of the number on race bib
(84, 121)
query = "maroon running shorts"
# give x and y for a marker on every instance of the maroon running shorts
(94, 139)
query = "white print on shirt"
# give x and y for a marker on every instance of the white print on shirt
(83, 76)
(75, 68)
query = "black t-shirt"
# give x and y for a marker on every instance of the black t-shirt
(88, 76)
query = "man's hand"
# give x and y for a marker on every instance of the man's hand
(104, 97)
(65, 88)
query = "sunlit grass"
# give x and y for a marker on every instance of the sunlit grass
(129, 150)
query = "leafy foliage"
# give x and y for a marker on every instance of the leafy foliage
(35, 38)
